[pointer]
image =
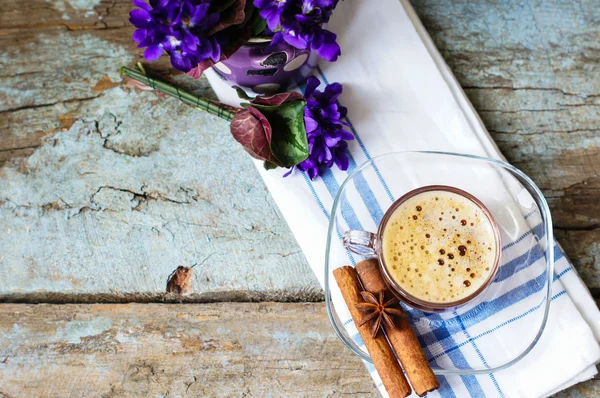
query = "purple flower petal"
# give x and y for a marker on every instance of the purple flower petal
(272, 18)
(332, 140)
(329, 49)
(171, 43)
(181, 27)
(271, 11)
(307, 164)
(139, 35)
(180, 61)
(341, 161)
(152, 53)
(346, 135)
(159, 3)
(173, 12)
(310, 124)
(326, 3)
(199, 14)
(275, 41)
(300, 22)
(333, 91)
(191, 41)
(292, 38)
(289, 172)
(216, 51)
(327, 139)
(311, 85)
(141, 19)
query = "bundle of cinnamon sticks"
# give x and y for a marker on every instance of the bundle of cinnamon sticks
(401, 340)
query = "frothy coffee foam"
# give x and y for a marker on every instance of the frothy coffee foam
(439, 246)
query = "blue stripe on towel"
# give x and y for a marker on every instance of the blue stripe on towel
(314, 194)
(320, 204)
(347, 211)
(519, 263)
(445, 339)
(479, 354)
(537, 232)
(508, 322)
(366, 193)
(445, 389)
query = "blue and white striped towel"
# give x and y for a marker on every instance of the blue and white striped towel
(401, 96)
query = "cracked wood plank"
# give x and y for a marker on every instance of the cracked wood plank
(105, 191)
(91, 166)
(144, 350)
(133, 350)
(116, 202)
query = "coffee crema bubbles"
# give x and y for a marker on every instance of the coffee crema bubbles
(439, 246)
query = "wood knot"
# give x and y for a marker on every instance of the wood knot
(180, 281)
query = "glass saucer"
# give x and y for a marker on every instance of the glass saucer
(520, 290)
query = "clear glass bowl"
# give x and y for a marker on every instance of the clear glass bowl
(521, 287)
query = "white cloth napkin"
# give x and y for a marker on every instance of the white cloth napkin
(401, 96)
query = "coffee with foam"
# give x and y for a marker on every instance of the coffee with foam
(439, 246)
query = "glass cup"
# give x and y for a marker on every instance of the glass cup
(521, 289)
(368, 244)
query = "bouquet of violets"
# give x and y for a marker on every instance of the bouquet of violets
(288, 129)
(196, 34)
(291, 130)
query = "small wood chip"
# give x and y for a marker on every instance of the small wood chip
(181, 281)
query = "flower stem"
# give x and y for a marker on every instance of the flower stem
(201, 103)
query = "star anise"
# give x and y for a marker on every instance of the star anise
(376, 308)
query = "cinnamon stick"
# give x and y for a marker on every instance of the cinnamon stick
(402, 338)
(381, 353)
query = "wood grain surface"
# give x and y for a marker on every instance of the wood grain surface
(181, 350)
(105, 191)
(157, 350)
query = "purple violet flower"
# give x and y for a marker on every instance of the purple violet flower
(327, 139)
(179, 27)
(270, 11)
(300, 24)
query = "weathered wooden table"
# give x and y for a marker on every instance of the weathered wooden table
(104, 191)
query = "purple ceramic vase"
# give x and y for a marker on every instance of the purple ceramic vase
(265, 72)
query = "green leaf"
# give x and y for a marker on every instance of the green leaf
(259, 26)
(288, 140)
(269, 166)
